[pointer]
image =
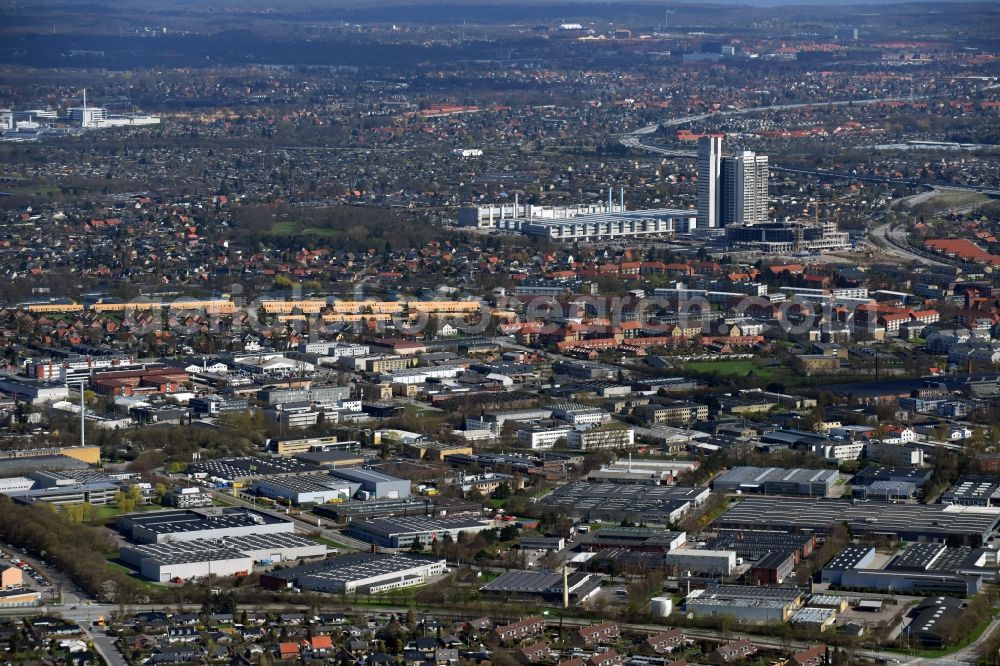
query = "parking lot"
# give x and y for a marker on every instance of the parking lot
(33, 579)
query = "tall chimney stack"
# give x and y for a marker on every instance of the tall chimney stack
(565, 586)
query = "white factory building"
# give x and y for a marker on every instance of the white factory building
(649, 223)
(193, 524)
(711, 562)
(164, 562)
(309, 489)
(369, 573)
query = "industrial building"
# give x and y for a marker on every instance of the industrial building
(969, 526)
(374, 484)
(401, 532)
(777, 481)
(973, 491)
(366, 573)
(922, 567)
(753, 545)
(304, 490)
(851, 557)
(636, 539)
(166, 561)
(702, 562)
(755, 604)
(237, 471)
(773, 568)
(614, 501)
(192, 524)
(543, 585)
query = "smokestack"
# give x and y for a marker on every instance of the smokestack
(609, 198)
(629, 462)
(83, 120)
(621, 200)
(517, 211)
(565, 586)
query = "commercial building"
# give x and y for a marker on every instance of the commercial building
(323, 394)
(193, 524)
(543, 585)
(541, 437)
(755, 604)
(615, 502)
(228, 556)
(374, 484)
(953, 524)
(401, 532)
(593, 439)
(188, 498)
(777, 481)
(650, 223)
(514, 215)
(300, 445)
(787, 237)
(365, 573)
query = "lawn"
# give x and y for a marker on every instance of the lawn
(733, 368)
(331, 543)
(115, 563)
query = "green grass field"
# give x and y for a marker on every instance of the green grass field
(733, 368)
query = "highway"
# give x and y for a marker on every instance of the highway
(633, 140)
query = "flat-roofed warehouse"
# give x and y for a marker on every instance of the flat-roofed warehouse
(777, 481)
(747, 603)
(208, 523)
(309, 489)
(614, 501)
(374, 484)
(958, 525)
(544, 585)
(219, 557)
(357, 572)
(240, 470)
(402, 531)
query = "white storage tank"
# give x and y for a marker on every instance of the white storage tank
(661, 606)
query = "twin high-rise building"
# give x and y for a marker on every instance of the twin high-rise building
(731, 190)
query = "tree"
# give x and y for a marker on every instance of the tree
(502, 491)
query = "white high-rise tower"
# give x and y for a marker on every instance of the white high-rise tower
(744, 189)
(709, 181)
